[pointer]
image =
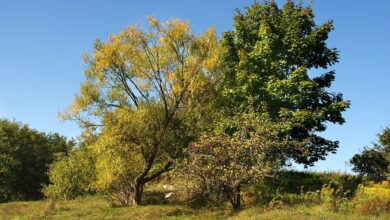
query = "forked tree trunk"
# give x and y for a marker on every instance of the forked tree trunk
(144, 178)
(138, 192)
(235, 197)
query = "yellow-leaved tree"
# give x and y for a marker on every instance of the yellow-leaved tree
(145, 97)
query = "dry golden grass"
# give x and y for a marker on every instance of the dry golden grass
(96, 207)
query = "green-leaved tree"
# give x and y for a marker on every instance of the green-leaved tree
(373, 163)
(268, 58)
(25, 156)
(240, 150)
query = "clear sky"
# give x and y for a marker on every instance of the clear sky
(42, 42)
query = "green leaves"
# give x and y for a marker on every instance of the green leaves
(240, 150)
(268, 56)
(71, 175)
(374, 162)
(25, 155)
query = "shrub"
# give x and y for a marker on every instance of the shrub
(373, 200)
(346, 184)
(288, 182)
(339, 190)
(222, 164)
(71, 176)
(334, 196)
(303, 183)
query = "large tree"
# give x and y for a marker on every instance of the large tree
(269, 57)
(145, 93)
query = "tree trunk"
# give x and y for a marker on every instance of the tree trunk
(144, 178)
(235, 197)
(138, 191)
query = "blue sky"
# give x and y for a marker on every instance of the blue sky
(42, 42)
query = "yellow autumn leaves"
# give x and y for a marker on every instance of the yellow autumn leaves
(165, 64)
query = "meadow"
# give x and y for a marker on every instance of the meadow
(96, 208)
(295, 198)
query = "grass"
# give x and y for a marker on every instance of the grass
(96, 207)
(301, 212)
(293, 205)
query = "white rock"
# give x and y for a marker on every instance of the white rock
(168, 195)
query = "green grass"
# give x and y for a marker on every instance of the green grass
(96, 208)
(301, 212)
(289, 184)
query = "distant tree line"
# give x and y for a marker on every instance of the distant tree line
(374, 163)
(25, 155)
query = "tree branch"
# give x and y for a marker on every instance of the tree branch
(166, 168)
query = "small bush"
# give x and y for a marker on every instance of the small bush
(373, 200)
(71, 176)
(119, 192)
(336, 193)
(334, 196)
(304, 184)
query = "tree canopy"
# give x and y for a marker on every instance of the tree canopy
(145, 93)
(373, 163)
(246, 104)
(269, 57)
(25, 156)
(223, 162)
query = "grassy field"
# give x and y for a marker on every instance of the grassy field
(95, 207)
(296, 200)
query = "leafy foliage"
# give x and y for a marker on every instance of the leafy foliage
(370, 163)
(335, 196)
(374, 199)
(305, 184)
(145, 95)
(374, 162)
(71, 175)
(238, 152)
(268, 58)
(25, 155)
